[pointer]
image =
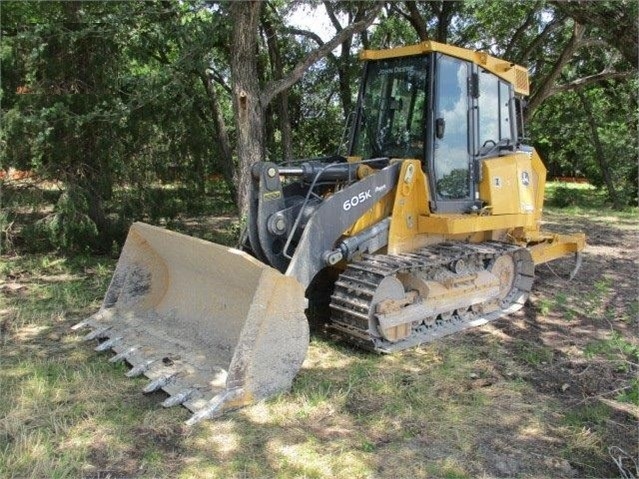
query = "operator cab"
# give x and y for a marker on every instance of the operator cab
(448, 112)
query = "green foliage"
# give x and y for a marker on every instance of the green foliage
(616, 347)
(563, 197)
(393, 31)
(112, 99)
(631, 393)
(107, 96)
(69, 228)
(561, 132)
(581, 198)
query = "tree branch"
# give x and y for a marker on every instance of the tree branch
(593, 42)
(395, 8)
(534, 45)
(417, 21)
(585, 81)
(545, 88)
(273, 88)
(333, 17)
(305, 33)
(617, 22)
(313, 36)
(514, 40)
(219, 79)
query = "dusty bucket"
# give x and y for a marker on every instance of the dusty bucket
(210, 325)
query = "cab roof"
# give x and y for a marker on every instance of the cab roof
(514, 74)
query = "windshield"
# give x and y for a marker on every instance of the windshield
(393, 104)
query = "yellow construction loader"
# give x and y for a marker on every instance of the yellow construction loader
(430, 225)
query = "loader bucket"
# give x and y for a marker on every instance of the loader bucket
(210, 325)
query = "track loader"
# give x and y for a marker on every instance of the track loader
(428, 226)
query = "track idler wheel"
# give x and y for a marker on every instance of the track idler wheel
(515, 271)
(390, 296)
(505, 269)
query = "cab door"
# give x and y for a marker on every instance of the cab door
(451, 133)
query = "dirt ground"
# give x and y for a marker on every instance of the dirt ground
(570, 343)
(572, 322)
(535, 394)
(600, 300)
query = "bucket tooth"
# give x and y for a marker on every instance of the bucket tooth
(140, 369)
(81, 325)
(179, 398)
(97, 333)
(216, 405)
(159, 383)
(87, 322)
(108, 344)
(123, 355)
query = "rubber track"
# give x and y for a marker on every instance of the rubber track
(351, 301)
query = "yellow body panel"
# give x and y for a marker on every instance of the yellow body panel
(411, 202)
(557, 246)
(512, 190)
(412, 217)
(471, 223)
(539, 182)
(509, 185)
(378, 212)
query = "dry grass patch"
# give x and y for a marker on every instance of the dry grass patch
(532, 395)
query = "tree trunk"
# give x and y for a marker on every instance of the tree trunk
(417, 21)
(249, 101)
(599, 152)
(446, 12)
(247, 104)
(283, 104)
(343, 65)
(228, 170)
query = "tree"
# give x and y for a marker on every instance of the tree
(617, 21)
(250, 99)
(570, 47)
(115, 99)
(66, 98)
(591, 132)
(111, 99)
(431, 20)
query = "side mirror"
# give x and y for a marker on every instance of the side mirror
(440, 128)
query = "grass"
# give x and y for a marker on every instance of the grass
(534, 354)
(583, 199)
(489, 402)
(67, 412)
(621, 352)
